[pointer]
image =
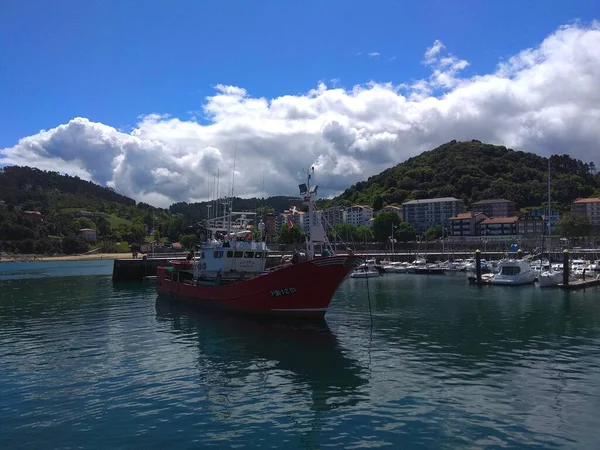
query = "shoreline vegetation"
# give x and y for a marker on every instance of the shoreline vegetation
(89, 257)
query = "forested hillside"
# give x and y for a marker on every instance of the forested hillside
(67, 204)
(474, 171)
(60, 201)
(470, 171)
(35, 189)
(198, 211)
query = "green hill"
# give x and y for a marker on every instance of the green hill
(473, 171)
(67, 204)
(197, 211)
(470, 171)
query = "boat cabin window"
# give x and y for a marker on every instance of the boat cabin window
(511, 270)
(238, 254)
(258, 255)
(218, 254)
(202, 255)
(248, 254)
(230, 254)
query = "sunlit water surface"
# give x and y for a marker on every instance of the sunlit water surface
(85, 363)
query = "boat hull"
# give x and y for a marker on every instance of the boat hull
(302, 290)
(363, 274)
(528, 278)
(547, 279)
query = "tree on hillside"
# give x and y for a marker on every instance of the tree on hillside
(346, 232)
(434, 233)
(188, 241)
(103, 226)
(83, 222)
(74, 244)
(405, 232)
(572, 226)
(382, 225)
(290, 235)
(363, 234)
(378, 203)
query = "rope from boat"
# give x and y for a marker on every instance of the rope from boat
(369, 298)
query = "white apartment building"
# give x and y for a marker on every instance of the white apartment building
(358, 215)
(302, 221)
(427, 213)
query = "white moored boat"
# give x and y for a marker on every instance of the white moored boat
(514, 272)
(549, 278)
(365, 272)
(395, 267)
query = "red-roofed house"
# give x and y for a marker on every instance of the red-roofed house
(466, 223)
(495, 226)
(35, 215)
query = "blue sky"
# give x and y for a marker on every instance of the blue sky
(112, 61)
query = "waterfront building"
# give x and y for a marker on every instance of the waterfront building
(358, 215)
(495, 226)
(497, 207)
(466, 223)
(535, 222)
(270, 226)
(88, 234)
(427, 213)
(589, 207)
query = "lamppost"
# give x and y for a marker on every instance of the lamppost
(444, 233)
(392, 237)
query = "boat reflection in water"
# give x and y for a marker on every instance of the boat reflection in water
(241, 348)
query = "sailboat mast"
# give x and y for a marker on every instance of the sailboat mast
(548, 215)
(232, 185)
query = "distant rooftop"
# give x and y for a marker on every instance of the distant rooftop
(587, 200)
(491, 220)
(493, 200)
(467, 215)
(431, 200)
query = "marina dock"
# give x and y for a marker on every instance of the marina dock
(580, 284)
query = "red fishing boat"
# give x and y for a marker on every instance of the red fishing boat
(230, 273)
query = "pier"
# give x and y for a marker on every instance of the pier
(136, 269)
(139, 268)
(580, 284)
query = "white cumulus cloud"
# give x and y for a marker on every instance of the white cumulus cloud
(544, 100)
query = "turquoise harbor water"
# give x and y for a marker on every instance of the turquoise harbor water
(88, 364)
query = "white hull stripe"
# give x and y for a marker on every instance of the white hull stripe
(299, 309)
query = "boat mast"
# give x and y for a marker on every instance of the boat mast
(309, 241)
(548, 215)
(232, 188)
